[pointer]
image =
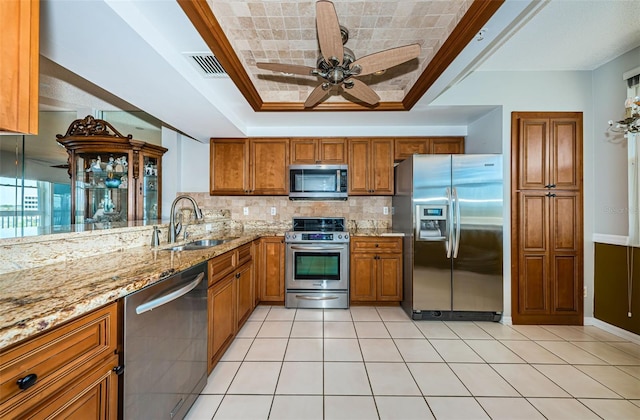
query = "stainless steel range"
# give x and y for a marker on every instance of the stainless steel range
(317, 263)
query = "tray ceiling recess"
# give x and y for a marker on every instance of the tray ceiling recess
(243, 34)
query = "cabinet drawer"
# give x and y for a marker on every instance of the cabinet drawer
(376, 244)
(220, 266)
(76, 346)
(244, 254)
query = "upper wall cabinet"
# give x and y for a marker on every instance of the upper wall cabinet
(406, 147)
(330, 151)
(19, 55)
(371, 166)
(256, 166)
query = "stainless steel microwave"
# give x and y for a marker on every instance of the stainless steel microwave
(318, 182)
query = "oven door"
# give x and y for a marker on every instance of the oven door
(317, 266)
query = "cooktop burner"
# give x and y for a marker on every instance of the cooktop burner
(318, 224)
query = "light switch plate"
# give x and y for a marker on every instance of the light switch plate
(273, 211)
(245, 211)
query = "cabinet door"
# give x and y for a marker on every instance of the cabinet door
(221, 299)
(565, 153)
(446, 145)
(389, 277)
(244, 287)
(272, 269)
(381, 176)
(407, 147)
(19, 73)
(533, 153)
(362, 277)
(332, 151)
(359, 164)
(229, 167)
(269, 161)
(304, 151)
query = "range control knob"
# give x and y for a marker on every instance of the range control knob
(346, 236)
(339, 236)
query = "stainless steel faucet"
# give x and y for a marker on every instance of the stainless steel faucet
(173, 229)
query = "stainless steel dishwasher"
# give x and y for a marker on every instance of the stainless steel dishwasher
(165, 346)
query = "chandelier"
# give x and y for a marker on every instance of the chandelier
(631, 123)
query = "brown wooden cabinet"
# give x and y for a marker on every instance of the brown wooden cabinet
(547, 224)
(74, 366)
(407, 146)
(253, 166)
(376, 269)
(446, 145)
(371, 166)
(19, 73)
(271, 269)
(316, 151)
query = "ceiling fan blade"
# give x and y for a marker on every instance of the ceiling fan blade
(316, 95)
(286, 68)
(385, 59)
(362, 92)
(329, 36)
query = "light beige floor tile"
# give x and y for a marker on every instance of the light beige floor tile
(405, 408)
(456, 408)
(535, 332)
(482, 381)
(342, 350)
(628, 347)
(631, 370)
(568, 332)
(493, 351)
(575, 382)
(337, 315)
(571, 353)
(249, 329)
(636, 402)
(371, 329)
(256, 378)
(333, 329)
(532, 352)
(562, 409)
(220, 378)
(345, 378)
(364, 313)
(599, 333)
(417, 350)
(608, 353)
(237, 350)
(437, 379)
(500, 331)
(307, 329)
(392, 313)
(267, 349)
(259, 313)
(403, 330)
(435, 330)
(278, 313)
(455, 351)
(528, 381)
(467, 330)
(243, 407)
(304, 350)
(204, 407)
(391, 379)
(509, 408)
(613, 409)
(300, 378)
(275, 329)
(349, 408)
(615, 379)
(297, 407)
(379, 350)
(309, 315)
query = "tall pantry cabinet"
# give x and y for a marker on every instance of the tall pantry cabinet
(547, 218)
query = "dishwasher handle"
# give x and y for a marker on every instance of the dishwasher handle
(164, 299)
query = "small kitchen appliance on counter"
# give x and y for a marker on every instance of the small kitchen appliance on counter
(317, 263)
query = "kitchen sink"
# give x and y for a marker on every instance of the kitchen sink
(199, 244)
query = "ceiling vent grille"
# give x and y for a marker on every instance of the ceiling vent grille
(207, 64)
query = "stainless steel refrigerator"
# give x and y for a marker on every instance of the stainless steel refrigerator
(450, 209)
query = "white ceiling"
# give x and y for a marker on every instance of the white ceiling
(134, 50)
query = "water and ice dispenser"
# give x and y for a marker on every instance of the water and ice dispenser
(431, 222)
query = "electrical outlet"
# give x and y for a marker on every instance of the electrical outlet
(385, 210)
(273, 211)
(245, 211)
(208, 227)
(585, 291)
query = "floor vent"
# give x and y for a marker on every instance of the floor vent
(207, 64)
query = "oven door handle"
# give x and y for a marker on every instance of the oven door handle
(317, 248)
(169, 297)
(307, 297)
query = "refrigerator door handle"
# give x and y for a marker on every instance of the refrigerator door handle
(449, 241)
(457, 224)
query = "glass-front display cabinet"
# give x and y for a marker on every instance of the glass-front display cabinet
(114, 178)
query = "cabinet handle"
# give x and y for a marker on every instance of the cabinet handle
(237, 275)
(377, 245)
(550, 186)
(28, 381)
(550, 195)
(119, 370)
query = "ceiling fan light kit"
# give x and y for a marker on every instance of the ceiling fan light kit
(338, 65)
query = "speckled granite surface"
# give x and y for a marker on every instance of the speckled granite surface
(38, 298)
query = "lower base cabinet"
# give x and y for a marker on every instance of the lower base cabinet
(271, 269)
(376, 270)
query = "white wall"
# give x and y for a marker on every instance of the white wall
(485, 134)
(535, 91)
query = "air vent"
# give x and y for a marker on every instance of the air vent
(207, 64)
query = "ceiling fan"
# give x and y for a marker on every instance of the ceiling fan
(337, 64)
